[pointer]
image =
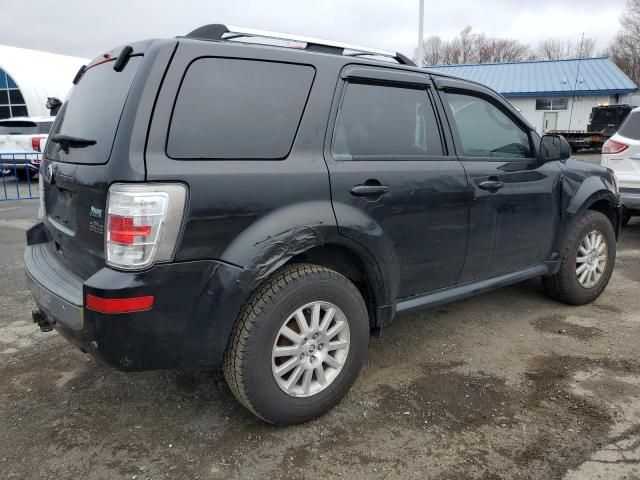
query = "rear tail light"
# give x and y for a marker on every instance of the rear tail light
(143, 223)
(35, 143)
(613, 147)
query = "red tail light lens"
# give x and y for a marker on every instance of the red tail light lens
(143, 223)
(124, 231)
(119, 305)
(35, 143)
(613, 147)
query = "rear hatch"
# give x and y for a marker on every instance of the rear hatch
(78, 166)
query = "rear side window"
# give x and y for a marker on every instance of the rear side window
(386, 123)
(238, 109)
(486, 131)
(630, 128)
(93, 112)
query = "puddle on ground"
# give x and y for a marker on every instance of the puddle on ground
(570, 326)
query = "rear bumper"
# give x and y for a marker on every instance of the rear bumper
(196, 304)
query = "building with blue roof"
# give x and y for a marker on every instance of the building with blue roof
(553, 94)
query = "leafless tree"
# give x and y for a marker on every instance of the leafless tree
(625, 49)
(472, 47)
(557, 48)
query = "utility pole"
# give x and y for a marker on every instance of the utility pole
(420, 51)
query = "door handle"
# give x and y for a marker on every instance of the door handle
(369, 190)
(492, 185)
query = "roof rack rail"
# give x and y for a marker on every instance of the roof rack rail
(218, 31)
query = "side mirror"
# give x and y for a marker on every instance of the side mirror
(554, 147)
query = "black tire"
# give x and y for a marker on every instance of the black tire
(26, 173)
(248, 359)
(564, 286)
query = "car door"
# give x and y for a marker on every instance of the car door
(516, 197)
(393, 182)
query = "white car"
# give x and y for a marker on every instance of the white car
(621, 153)
(22, 140)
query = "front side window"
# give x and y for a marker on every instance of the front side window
(385, 122)
(486, 131)
(238, 109)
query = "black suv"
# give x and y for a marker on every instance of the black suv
(217, 200)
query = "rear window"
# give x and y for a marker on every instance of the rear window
(238, 109)
(630, 128)
(609, 114)
(18, 127)
(93, 111)
(21, 127)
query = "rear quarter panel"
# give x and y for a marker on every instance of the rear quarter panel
(251, 213)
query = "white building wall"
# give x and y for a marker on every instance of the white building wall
(39, 75)
(567, 120)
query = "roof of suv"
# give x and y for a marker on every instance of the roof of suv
(277, 40)
(219, 32)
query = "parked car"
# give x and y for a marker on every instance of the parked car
(264, 208)
(621, 153)
(22, 140)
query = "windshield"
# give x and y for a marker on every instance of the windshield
(24, 127)
(93, 112)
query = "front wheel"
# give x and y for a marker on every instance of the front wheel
(298, 345)
(588, 257)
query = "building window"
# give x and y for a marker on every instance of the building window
(12, 102)
(552, 104)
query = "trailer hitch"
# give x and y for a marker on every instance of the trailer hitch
(44, 322)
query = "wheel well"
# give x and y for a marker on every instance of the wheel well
(605, 207)
(347, 263)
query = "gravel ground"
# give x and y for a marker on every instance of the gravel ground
(504, 385)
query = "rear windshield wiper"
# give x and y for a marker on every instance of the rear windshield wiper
(66, 141)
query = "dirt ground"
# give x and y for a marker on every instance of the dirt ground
(506, 385)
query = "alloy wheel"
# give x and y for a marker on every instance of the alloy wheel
(591, 261)
(310, 349)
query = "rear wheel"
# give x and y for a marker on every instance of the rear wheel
(588, 258)
(298, 345)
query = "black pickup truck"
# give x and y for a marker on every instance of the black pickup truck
(263, 208)
(604, 121)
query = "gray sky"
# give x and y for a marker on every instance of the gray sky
(87, 27)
